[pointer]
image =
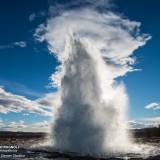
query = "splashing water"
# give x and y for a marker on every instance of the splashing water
(94, 49)
(92, 117)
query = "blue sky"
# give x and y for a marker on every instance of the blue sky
(26, 65)
(143, 86)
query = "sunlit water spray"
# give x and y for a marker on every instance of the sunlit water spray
(94, 48)
(92, 117)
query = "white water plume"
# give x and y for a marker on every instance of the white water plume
(94, 48)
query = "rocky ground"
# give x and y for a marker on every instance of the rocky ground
(24, 141)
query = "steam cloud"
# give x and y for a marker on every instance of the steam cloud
(94, 47)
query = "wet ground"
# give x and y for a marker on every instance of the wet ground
(31, 148)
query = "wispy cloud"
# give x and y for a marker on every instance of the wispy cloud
(1, 124)
(21, 44)
(14, 103)
(5, 46)
(136, 124)
(33, 16)
(43, 126)
(45, 106)
(145, 122)
(19, 88)
(152, 119)
(153, 106)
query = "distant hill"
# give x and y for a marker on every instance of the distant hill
(19, 135)
(147, 132)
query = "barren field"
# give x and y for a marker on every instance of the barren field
(19, 145)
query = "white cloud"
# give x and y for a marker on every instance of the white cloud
(16, 126)
(1, 123)
(152, 119)
(153, 106)
(19, 88)
(57, 7)
(21, 44)
(50, 99)
(43, 126)
(32, 17)
(145, 122)
(14, 103)
(105, 31)
(135, 124)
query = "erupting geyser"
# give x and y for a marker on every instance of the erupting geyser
(94, 48)
(92, 117)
